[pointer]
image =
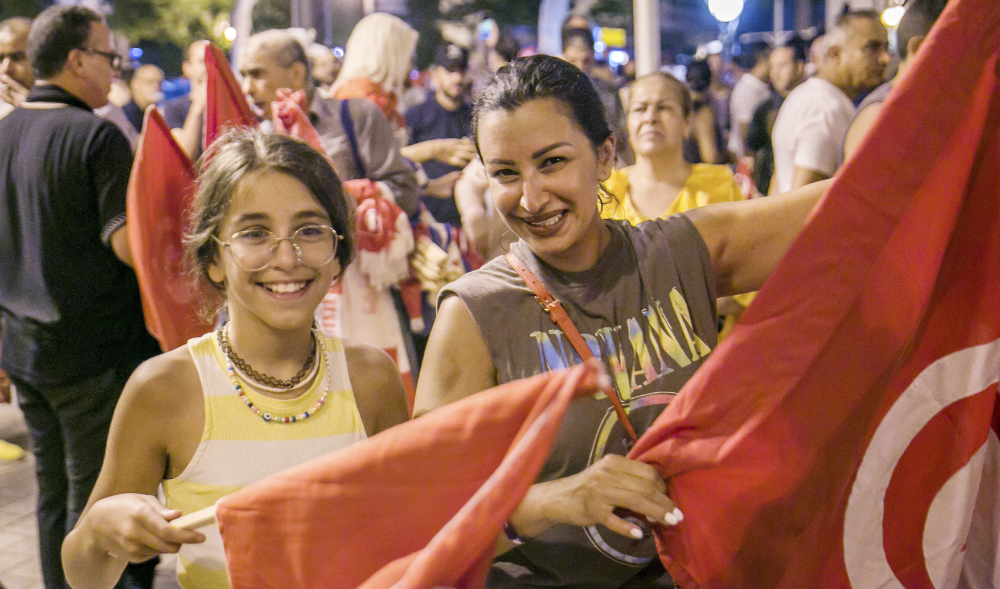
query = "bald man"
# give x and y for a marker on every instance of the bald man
(145, 86)
(811, 126)
(15, 67)
(914, 27)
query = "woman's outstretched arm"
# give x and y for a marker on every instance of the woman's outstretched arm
(747, 239)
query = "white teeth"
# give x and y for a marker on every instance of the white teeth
(285, 287)
(550, 221)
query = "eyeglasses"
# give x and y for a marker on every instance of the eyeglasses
(255, 249)
(113, 58)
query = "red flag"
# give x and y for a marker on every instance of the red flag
(838, 437)
(226, 106)
(160, 191)
(420, 504)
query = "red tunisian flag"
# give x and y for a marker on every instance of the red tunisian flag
(844, 435)
(225, 105)
(418, 505)
(160, 191)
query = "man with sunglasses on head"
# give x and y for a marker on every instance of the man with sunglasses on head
(15, 69)
(73, 328)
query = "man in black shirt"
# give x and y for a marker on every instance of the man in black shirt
(439, 133)
(73, 329)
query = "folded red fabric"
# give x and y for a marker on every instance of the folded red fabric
(419, 505)
(226, 106)
(160, 191)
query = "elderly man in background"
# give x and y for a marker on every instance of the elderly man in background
(275, 59)
(15, 68)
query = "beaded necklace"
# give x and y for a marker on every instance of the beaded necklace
(270, 417)
(223, 336)
(263, 387)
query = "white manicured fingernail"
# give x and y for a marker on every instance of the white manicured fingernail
(678, 514)
(603, 381)
(670, 519)
(636, 533)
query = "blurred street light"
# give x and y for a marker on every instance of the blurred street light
(892, 15)
(725, 11)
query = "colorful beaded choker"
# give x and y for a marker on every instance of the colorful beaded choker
(270, 417)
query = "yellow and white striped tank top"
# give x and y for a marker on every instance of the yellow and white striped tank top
(239, 448)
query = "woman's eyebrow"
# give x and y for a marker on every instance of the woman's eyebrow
(545, 150)
(311, 215)
(247, 217)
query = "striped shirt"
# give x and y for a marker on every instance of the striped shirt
(239, 448)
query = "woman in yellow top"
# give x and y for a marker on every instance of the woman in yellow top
(662, 182)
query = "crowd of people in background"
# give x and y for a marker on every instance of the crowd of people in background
(613, 161)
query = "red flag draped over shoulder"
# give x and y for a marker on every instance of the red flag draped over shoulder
(225, 105)
(420, 504)
(160, 192)
(841, 436)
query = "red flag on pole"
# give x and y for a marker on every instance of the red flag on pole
(160, 190)
(225, 106)
(845, 431)
(420, 504)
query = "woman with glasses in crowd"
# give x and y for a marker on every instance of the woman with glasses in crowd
(639, 298)
(264, 392)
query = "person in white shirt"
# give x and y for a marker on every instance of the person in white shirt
(752, 89)
(809, 133)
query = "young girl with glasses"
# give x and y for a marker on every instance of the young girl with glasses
(270, 231)
(640, 298)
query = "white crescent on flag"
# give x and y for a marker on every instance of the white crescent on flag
(907, 427)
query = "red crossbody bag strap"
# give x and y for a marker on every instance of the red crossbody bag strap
(554, 308)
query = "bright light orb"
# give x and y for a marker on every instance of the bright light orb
(892, 15)
(725, 10)
(230, 34)
(618, 57)
(600, 47)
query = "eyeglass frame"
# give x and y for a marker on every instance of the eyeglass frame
(114, 60)
(277, 243)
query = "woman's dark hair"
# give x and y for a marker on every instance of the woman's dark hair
(543, 76)
(240, 156)
(699, 75)
(58, 30)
